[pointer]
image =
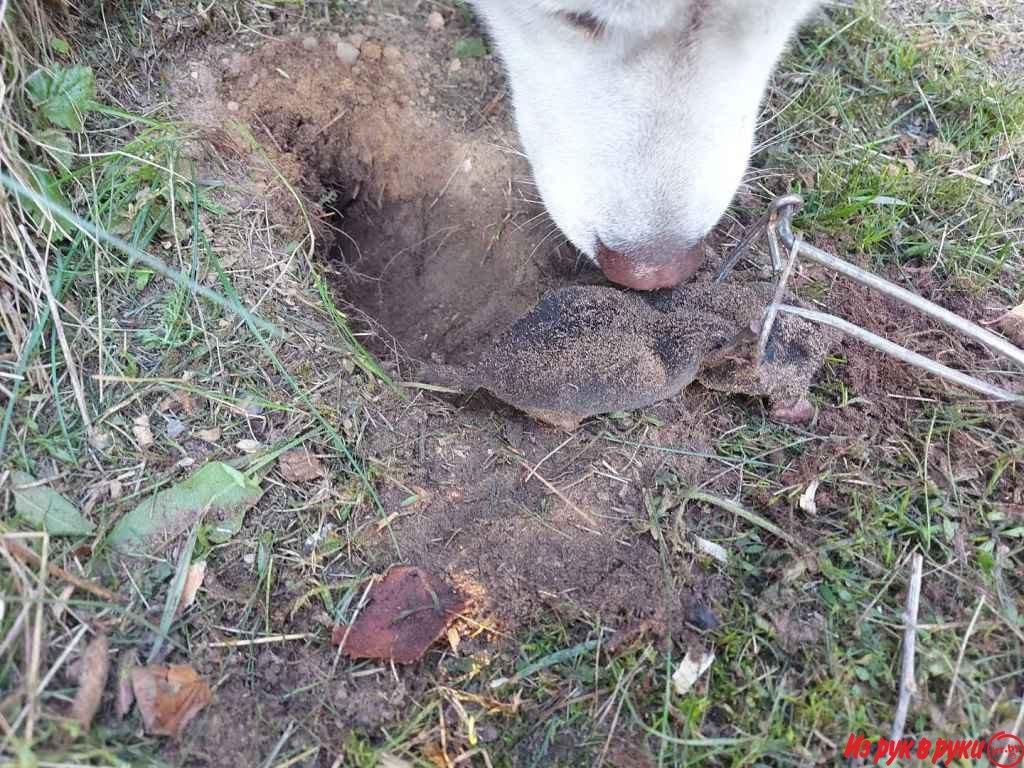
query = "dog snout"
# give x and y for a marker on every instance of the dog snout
(649, 268)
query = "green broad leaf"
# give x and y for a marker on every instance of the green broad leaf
(46, 509)
(57, 145)
(48, 187)
(470, 48)
(62, 95)
(217, 494)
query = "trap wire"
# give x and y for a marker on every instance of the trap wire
(777, 226)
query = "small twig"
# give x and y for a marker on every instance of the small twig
(447, 184)
(280, 745)
(963, 650)
(548, 455)
(326, 126)
(260, 640)
(561, 495)
(907, 685)
(26, 555)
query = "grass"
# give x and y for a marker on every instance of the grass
(909, 159)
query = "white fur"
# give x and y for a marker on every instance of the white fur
(641, 134)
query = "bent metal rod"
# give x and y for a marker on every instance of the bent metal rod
(777, 224)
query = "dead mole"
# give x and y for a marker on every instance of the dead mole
(587, 350)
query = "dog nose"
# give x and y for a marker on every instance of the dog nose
(651, 267)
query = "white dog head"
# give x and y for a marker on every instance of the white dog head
(638, 117)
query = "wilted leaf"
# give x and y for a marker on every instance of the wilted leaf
(690, 670)
(217, 491)
(57, 145)
(388, 760)
(91, 681)
(169, 697)
(625, 754)
(406, 612)
(193, 581)
(142, 431)
(125, 693)
(63, 94)
(211, 435)
(248, 446)
(807, 502)
(181, 399)
(712, 549)
(175, 427)
(47, 186)
(299, 465)
(45, 508)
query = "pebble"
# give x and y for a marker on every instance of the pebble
(391, 53)
(371, 51)
(455, 65)
(309, 42)
(435, 21)
(357, 40)
(347, 53)
(232, 106)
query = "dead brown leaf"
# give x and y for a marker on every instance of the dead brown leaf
(211, 435)
(654, 625)
(180, 399)
(407, 611)
(299, 466)
(142, 431)
(169, 697)
(193, 581)
(125, 695)
(91, 681)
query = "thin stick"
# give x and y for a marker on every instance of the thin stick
(326, 126)
(260, 640)
(26, 555)
(551, 453)
(963, 650)
(561, 495)
(907, 685)
(280, 745)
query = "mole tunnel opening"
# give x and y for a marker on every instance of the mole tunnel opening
(436, 281)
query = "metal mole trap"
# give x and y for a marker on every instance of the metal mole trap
(776, 225)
